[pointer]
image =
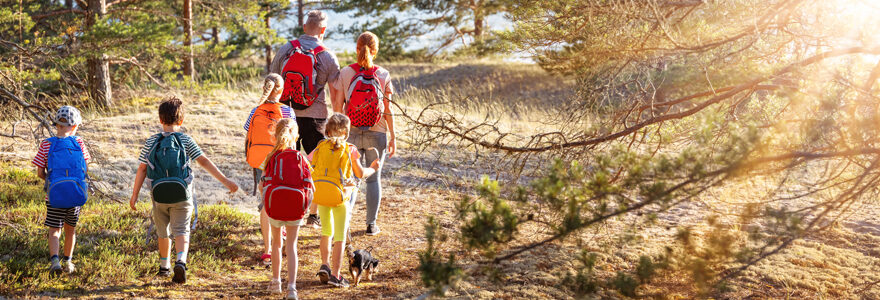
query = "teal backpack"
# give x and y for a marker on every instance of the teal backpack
(169, 171)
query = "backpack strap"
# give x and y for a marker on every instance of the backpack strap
(53, 142)
(318, 49)
(270, 166)
(177, 137)
(296, 44)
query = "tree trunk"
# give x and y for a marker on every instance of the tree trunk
(215, 36)
(300, 15)
(188, 66)
(268, 47)
(68, 4)
(98, 66)
(478, 24)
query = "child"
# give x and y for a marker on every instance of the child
(288, 199)
(334, 161)
(260, 127)
(164, 162)
(52, 155)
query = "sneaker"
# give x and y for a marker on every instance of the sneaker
(55, 268)
(163, 272)
(324, 274)
(69, 267)
(291, 294)
(275, 286)
(266, 259)
(314, 221)
(179, 272)
(372, 229)
(339, 282)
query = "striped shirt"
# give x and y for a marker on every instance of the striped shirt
(42, 157)
(192, 149)
(285, 113)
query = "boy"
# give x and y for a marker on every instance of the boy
(164, 161)
(67, 120)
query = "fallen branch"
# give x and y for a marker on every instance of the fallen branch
(28, 107)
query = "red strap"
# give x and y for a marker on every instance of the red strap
(357, 69)
(296, 44)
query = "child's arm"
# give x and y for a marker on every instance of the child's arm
(41, 172)
(211, 168)
(138, 182)
(360, 171)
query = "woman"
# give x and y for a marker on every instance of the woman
(366, 93)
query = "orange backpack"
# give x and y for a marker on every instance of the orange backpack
(261, 133)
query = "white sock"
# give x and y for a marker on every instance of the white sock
(181, 256)
(291, 286)
(164, 263)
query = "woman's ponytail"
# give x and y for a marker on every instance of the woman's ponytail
(367, 48)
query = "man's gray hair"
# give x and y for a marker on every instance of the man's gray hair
(316, 19)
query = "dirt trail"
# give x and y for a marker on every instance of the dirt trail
(215, 122)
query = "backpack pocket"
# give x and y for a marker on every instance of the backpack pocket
(67, 192)
(328, 193)
(170, 190)
(286, 203)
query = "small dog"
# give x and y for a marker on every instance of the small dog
(361, 262)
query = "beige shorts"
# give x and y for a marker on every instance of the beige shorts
(279, 224)
(172, 219)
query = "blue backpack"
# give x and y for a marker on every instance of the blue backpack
(66, 173)
(169, 170)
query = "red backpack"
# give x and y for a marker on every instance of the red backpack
(365, 95)
(299, 75)
(287, 186)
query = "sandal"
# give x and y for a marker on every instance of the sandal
(266, 259)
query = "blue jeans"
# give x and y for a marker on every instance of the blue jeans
(365, 139)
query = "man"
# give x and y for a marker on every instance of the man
(310, 119)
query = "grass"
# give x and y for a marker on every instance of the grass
(112, 254)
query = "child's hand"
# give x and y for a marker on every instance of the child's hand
(132, 202)
(231, 186)
(376, 165)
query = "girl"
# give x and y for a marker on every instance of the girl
(334, 161)
(286, 132)
(376, 132)
(260, 140)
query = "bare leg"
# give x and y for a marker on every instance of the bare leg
(276, 253)
(264, 229)
(325, 250)
(336, 260)
(292, 258)
(181, 244)
(164, 247)
(313, 208)
(69, 239)
(53, 236)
